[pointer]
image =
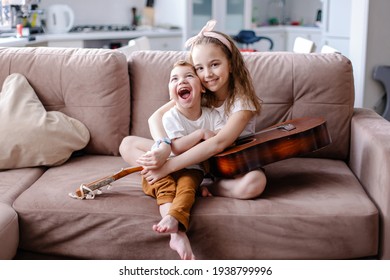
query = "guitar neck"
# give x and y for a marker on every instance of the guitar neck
(285, 127)
(84, 189)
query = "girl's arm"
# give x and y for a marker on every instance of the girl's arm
(155, 121)
(204, 150)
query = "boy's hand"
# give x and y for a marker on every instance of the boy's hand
(207, 134)
(156, 158)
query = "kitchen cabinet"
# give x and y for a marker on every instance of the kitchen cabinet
(231, 15)
(66, 44)
(173, 43)
(160, 39)
(156, 43)
(284, 36)
(276, 33)
(337, 24)
(311, 33)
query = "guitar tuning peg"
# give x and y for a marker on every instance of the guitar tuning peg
(109, 187)
(90, 195)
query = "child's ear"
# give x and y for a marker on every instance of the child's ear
(203, 90)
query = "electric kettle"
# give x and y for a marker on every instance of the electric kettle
(59, 18)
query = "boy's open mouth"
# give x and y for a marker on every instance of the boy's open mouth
(184, 93)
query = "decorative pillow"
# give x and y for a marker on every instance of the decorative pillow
(31, 136)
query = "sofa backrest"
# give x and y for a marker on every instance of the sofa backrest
(91, 85)
(291, 86)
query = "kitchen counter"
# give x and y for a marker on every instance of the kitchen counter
(287, 28)
(86, 36)
(157, 37)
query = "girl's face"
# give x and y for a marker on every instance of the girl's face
(213, 68)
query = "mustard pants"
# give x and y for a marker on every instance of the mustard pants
(178, 188)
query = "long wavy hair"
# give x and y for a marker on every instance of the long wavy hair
(240, 80)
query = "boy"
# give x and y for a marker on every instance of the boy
(186, 124)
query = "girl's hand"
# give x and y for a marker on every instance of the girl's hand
(153, 175)
(156, 158)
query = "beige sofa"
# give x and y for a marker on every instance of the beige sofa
(331, 204)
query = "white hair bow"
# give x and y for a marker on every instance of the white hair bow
(207, 31)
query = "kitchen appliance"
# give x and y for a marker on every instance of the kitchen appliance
(101, 28)
(59, 18)
(148, 14)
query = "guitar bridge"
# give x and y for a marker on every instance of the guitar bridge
(287, 127)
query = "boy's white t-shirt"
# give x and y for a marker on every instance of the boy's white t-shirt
(177, 125)
(237, 106)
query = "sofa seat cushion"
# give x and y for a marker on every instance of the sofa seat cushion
(9, 232)
(15, 181)
(12, 184)
(311, 209)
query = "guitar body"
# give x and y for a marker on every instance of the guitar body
(271, 145)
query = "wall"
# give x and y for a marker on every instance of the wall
(369, 47)
(378, 48)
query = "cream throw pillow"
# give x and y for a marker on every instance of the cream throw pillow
(31, 136)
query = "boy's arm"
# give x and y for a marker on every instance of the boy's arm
(184, 143)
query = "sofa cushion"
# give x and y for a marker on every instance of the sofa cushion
(9, 232)
(311, 209)
(15, 181)
(90, 85)
(34, 137)
(290, 85)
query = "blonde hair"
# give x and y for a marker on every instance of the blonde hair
(240, 80)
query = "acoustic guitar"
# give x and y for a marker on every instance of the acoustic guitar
(285, 140)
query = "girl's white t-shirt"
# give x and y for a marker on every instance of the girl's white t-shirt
(237, 106)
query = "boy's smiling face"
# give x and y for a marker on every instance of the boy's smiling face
(185, 88)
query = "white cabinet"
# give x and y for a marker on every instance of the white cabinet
(313, 34)
(337, 24)
(66, 44)
(277, 34)
(231, 15)
(173, 43)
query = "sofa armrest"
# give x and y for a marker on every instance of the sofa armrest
(370, 161)
(9, 232)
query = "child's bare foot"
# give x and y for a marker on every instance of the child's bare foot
(248, 186)
(204, 191)
(180, 243)
(168, 224)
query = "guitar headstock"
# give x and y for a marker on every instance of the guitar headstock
(88, 191)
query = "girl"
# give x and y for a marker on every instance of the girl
(221, 68)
